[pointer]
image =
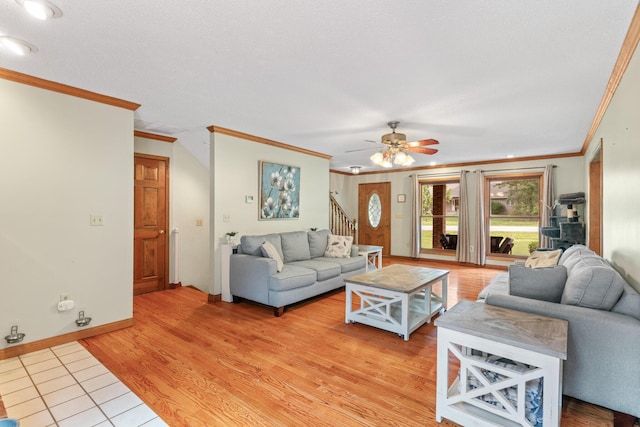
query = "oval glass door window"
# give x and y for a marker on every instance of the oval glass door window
(375, 210)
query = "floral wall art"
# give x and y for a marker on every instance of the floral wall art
(279, 191)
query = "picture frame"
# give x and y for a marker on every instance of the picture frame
(402, 198)
(279, 191)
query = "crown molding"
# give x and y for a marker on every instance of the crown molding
(465, 164)
(624, 57)
(218, 129)
(26, 79)
(155, 136)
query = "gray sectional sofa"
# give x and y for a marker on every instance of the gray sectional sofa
(306, 271)
(603, 311)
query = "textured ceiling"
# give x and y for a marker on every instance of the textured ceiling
(486, 78)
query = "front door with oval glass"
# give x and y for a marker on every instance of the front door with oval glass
(374, 215)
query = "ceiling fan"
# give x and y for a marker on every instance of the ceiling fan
(397, 146)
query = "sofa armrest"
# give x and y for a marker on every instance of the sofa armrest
(249, 277)
(602, 346)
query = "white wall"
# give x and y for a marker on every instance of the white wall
(620, 134)
(569, 178)
(235, 174)
(62, 159)
(188, 203)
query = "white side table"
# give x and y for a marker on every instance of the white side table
(373, 255)
(469, 332)
(225, 255)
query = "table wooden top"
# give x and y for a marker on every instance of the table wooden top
(369, 248)
(541, 334)
(397, 277)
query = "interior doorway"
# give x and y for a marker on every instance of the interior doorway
(151, 219)
(595, 202)
(374, 215)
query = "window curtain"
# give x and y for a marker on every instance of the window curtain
(416, 226)
(479, 255)
(548, 202)
(462, 251)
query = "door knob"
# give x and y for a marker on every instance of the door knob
(161, 232)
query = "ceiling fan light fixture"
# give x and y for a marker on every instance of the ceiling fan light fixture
(377, 158)
(393, 138)
(41, 9)
(17, 46)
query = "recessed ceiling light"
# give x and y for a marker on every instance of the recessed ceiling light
(41, 9)
(432, 163)
(17, 46)
(510, 156)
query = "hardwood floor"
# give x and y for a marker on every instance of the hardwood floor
(200, 364)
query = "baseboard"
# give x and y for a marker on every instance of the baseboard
(17, 350)
(214, 298)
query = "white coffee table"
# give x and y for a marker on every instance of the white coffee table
(397, 298)
(373, 255)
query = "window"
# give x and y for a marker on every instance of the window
(514, 213)
(440, 201)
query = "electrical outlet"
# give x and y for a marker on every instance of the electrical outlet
(471, 248)
(96, 220)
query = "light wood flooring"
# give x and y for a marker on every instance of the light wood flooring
(200, 364)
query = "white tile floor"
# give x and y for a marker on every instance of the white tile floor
(66, 386)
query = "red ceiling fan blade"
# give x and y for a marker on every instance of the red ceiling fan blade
(422, 150)
(422, 143)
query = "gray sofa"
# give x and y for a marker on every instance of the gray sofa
(306, 272)
(603, 311)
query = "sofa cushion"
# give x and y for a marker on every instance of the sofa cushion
(629, 302)
(592, 283)
(498, 285)
(252, 245)
(291, 277)
(347, 265)
(575, 250)
(269, 251)
(540, 259)
(295, 246)
(324, 270)
(318, 242)
(545, 284)
(338, 246)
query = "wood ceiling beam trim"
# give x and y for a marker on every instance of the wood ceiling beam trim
(624, 57)
(155, 136)
(218, 129)
(463, 165)
(26, 79)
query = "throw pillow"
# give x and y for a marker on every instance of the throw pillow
(295, 246)
(544, 283)
(318, 242)
(269, 251)
(338, 246)
(540, 259)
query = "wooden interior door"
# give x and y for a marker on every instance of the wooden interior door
(378, 231)
(150, 240)
(595, 204)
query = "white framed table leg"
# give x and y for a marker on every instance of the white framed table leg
(373, 255)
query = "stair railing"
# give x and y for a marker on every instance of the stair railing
(339, 221)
